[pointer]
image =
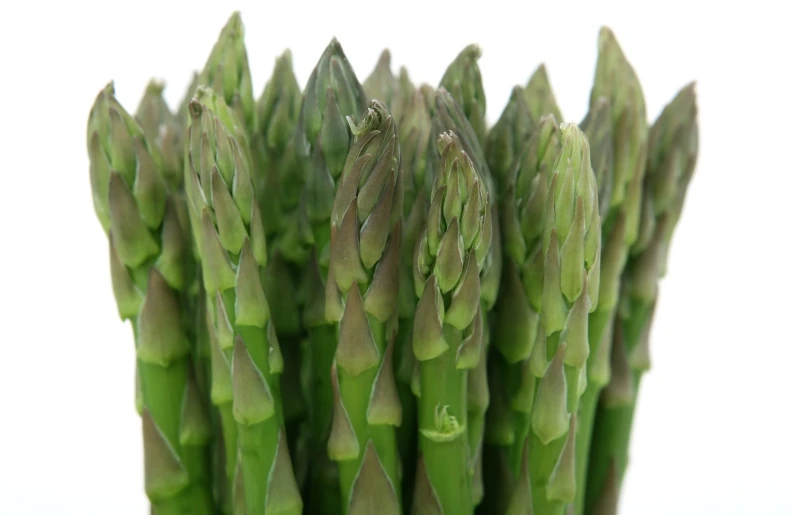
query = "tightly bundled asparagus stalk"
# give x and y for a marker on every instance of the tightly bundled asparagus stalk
(323, 140)
(617, 127)
(233, 252)
(447, 331)
(361, 298)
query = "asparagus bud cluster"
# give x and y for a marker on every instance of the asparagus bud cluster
(357, 297)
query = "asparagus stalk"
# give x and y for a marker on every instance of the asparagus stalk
(571, 273)
(279, 194)
(449, 116)
(447, 331)
(672, 154)
(414, 139)
(323, 141)
(362, 297)
(539, 96)
(381, 83)
(228, 73)
(403, 96)
(517, 313)
(233, 253)
(148, 248)
(464, 81)
(227, 70)
(508, 137)
(617, 127)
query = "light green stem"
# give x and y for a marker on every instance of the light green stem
(445, 387)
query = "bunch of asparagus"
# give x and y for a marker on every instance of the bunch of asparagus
(359, 298)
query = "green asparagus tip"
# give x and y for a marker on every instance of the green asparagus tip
(234, 26)
(155, 87)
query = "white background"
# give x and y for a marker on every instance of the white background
(713, 433)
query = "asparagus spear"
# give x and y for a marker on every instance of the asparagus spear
(362, 297)
(539, 95)
(323, 141)
(508, 137)
(617, 127)
(449, 116)
(279, 194)
(403, 96)
(228, 74)
(414, 139)
(234, 252)
(464, 81)
(163, 129)
(147, 252)
(517, 312)
(381, 83)
(447, 331)
(672, 154)
(227, 70)
(571, 270)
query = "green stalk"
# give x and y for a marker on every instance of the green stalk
(570, 277)
(227, 71)
(381, 84)
(234, 253)
(362, 296)
(447, 331)
(451, 116)
(522, 148)
(323, 140)
(148, 250)
(617, 127)
(671, 159)
(539, 95)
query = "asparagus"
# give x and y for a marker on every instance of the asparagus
(509, 135)
(362, 297)
(228, 73)
(447, 331)
(147, 250)
(464, 81)
(279, 194)
(672, 154)
(617, 127)
(403, 96)
(539, 95)
(517, 327)
(449, 116)
(414, 139)
(233, 253)
(381, 83)
(571, 270)
(162, 129)
(226, 70)
(323, 141)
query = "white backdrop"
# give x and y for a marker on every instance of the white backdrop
(713, 432)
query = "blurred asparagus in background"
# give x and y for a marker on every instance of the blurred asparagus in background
(671, 159)
(617, 125)
(279, 187)
(314, 280)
